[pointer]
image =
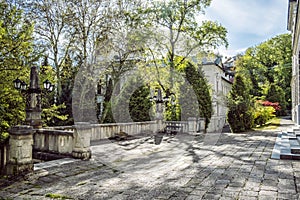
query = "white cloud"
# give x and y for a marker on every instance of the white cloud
(251, 16)
(248, 22)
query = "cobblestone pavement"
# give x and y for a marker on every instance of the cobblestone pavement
(236, 166)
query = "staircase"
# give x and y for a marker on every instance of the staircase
(287, 145)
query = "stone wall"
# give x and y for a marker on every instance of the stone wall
(16, 155)
(216, 124)
(103, 131)
(53, 144)
(4, 149)
(48, 144)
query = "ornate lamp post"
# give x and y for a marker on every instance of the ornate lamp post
(159, 100)
(33, 97)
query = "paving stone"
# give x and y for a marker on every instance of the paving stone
(197, 192)
(262, 197)
(230, 193)
(211, 197)
(249, 193)
(237, 167)
(268, 193)
(287, 196)
(247, 198)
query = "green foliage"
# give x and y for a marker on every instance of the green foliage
(239, 116)
(16, 47)
(267, 64)
(68, 73)
(47, 73)
(57, 196)
(172, 25)
(135, 96)
(107, 116)
(139, 104)
(51, 115)
(200, 86)
(276, 94)
(262, 114)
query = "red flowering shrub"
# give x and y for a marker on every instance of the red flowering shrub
(275, 105)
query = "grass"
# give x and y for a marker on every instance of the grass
(270, 125)
(57, 196)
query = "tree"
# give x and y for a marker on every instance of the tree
(276, 94)
(269, 63)
(239, 116)
(139, 104)
(197, 80)
(174, 30)
(132, 104)
(68, 73)
(16, 47)
(53, 35)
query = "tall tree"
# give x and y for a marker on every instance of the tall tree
(53, 35)
(197, 80)
(174, 30)
(91, 21)
(239, 114)
(16, 47)
(68, 73)
(267, 64)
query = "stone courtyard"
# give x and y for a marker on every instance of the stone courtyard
(211, 166)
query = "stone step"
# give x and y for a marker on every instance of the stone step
(289, 156)
(295, 150)
(294, 142)
(289, 145)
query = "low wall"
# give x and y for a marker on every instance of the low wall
(216, 124)
(183, 124)
(104, 131)
(60, 141)
(4, 149)
(52, 144)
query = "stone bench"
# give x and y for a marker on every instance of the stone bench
(173, 129)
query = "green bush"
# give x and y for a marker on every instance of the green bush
(239, 116)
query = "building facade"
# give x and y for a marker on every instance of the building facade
(220, 81)
(294, 27)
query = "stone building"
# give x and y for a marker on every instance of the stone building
(220, 77)
(294, 27)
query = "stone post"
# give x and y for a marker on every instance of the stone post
(20, 150)
(82, 138)
(192, 124)
(33, 101)
(201, 125)
(159, 116)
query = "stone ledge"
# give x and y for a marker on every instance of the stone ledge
(286, 147)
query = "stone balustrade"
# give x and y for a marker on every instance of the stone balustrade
(70, 141)
(50, 144)
(104, 131)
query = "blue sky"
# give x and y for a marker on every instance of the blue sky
(248, 22)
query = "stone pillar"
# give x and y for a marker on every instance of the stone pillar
(20, 150)
(82, 138)
(192, 124)
(201, 125)
(33, 101)
(159, 116)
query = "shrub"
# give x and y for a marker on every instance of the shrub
(239, 116)
(262, 113)
(275, 105)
